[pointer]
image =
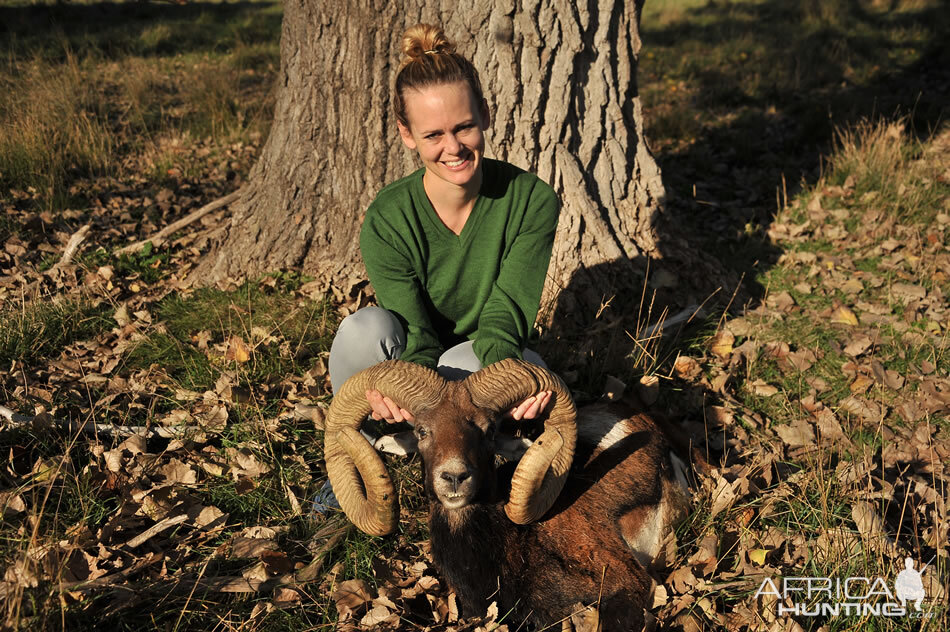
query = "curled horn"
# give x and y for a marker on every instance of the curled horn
(357, 473)
(543, 469)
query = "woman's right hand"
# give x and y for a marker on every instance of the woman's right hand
(385, 408)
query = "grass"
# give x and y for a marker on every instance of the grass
(282, 334)
(29, 333)
(106, 83)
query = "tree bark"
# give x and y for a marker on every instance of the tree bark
(560, 78)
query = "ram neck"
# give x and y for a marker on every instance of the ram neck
(468, 547)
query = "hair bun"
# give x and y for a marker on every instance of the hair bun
(424, 39)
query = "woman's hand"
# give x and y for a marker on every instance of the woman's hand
(385, 408)
(531, 407)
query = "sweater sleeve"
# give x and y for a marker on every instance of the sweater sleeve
(508, 316)
(399, 289)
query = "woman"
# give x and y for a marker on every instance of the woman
(457, 252)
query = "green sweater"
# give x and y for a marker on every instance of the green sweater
(483, 285)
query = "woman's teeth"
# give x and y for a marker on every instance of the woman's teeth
(454, 163)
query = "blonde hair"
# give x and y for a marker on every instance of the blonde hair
(429, 58)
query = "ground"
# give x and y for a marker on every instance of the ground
(162, 441)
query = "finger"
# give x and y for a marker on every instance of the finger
(523, 408)
(394, 410)
(533, 409)
(407, 415)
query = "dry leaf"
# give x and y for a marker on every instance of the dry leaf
(782, 302)
(682, 580)
(858, 345)
(844, 316)
(378, 616)
(351, 597)
(687, 368)
(757, 556)
(862, 408)
(237, 350)
(798, 433)
(721, 344)
(175, 471)
(759, 387)
(801, 360)
(706, 557)
(284, 596)
(723, 496)
(252, 548)
(276, 562)
(11, 504)
(245, 463)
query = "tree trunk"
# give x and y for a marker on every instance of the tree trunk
(560, 78)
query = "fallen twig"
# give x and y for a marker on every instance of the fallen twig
(155, 529)
(159, 238)
(72, 246)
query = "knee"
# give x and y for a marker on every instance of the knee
(369, 323)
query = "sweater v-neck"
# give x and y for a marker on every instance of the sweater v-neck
(437, 227)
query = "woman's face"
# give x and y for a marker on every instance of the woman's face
(445, 127)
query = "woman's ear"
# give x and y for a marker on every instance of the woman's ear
(406, 136)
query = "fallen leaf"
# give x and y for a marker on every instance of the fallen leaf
(862, 408)
(285, 596)
(759, 387)
(858, 345)
(798, 433)
(378, 616)
(757, 556)
(276, 562)
(721, 344)
(723, 496)
(237, 350)
(706, 557)
(905, 292)
(844, 316)
(351, 597)
(251, 548)
(782, 302)
(11, 504)
(687, 368)
(682, 580)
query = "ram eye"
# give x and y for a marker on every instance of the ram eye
(421, 432)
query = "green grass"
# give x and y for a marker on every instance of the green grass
(42, 330)
(283, 333)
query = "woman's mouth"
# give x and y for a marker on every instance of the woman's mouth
(455, 164)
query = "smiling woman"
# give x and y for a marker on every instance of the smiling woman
(457, 252)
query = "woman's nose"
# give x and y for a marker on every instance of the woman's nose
(452, 144)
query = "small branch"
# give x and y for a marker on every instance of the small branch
(159, 238)
(72, 246)
(155, 529)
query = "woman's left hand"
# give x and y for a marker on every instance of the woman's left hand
(531, 407)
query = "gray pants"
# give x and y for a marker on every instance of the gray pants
(372, 335)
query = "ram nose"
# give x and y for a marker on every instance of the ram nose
(455, 479)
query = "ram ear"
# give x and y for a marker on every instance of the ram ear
(511, 448)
